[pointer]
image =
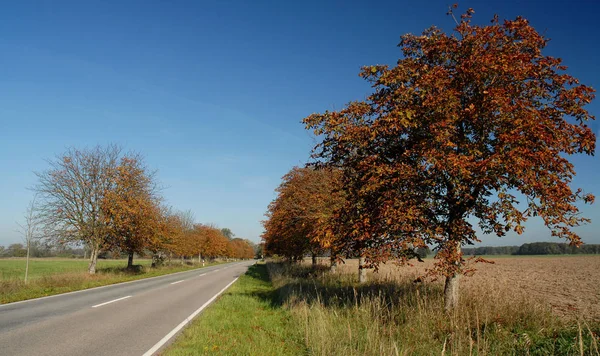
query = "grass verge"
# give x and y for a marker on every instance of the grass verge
(246, 320)
(57, 281)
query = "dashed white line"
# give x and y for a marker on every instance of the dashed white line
(178, 281)
(203, 274)
(111, 301)
(165, 339)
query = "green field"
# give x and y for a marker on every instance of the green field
(14, 268)
(50, 276)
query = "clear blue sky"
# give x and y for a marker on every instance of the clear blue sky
(212, 92)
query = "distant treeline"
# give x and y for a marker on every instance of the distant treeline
(534, 248)
(39, 249)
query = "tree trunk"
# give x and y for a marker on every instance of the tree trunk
(362, 271)
(451, 288)
(314, 260)
(130, 260)
(93, 259)
(333, 266)
(451, 291)
(27, 261)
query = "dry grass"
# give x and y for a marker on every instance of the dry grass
(569, 285)
(392, 315)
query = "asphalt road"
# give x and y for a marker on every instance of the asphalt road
(132, 318)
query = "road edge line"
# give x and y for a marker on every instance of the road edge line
(172, 333)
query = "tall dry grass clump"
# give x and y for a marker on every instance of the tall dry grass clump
(393, 315)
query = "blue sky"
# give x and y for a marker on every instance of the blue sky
(213, 92)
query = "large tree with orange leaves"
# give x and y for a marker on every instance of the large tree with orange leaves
(170, 230)
(451, 134)
(211, 241)
(131, 208)
(299, 219)
(241, 249)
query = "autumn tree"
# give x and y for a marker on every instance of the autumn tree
(169, 229)
(70, 193)
(241, 249)
(131, 207)
(281, 237)
(213, 243)
(462, 124)
(299, 218)
(180, 229)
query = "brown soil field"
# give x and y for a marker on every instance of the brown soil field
(570, 285)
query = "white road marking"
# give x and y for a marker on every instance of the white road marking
(218, 269)
(178, 281)
(203, 274)
(165, 339)
(112, 301)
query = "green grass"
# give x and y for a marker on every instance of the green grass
(56, 276)
(246, 320)
(14, 268)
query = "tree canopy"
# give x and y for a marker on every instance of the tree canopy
(105, 200)
(299, 219)
(455, 131)
(131, 208)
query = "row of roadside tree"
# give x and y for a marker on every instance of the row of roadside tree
(472, 127)
(105, 200)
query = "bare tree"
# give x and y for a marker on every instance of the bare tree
(227, 233)
(30, 230)
(188, 220)
(71, 192)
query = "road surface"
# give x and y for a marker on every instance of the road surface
(132, 318)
